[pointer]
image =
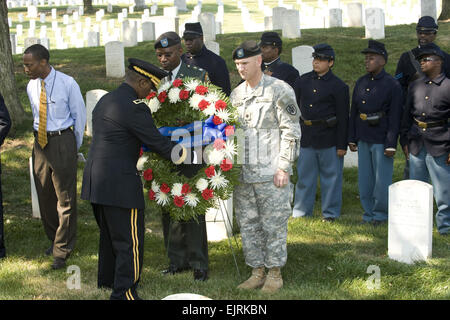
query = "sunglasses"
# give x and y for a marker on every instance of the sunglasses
(427, 59)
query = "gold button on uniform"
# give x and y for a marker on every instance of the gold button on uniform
(426, 98)
(364, 101)
(423, 113)
(310, 105)
(367, 89)
(314, 90)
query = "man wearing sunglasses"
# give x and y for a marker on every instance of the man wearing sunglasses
(425, 133)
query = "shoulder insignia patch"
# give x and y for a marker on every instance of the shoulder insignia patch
(291, 109)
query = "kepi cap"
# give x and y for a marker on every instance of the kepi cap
(167, 39)
(246, 49)
(271, 38)
(427, 23)
(377, 48)
(323, 51)
(192, 30)
(429, 49)
(147, 70)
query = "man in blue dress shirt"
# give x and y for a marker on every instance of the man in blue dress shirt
(374, 126)
(324, 104)
(59, 119)
(425, 135)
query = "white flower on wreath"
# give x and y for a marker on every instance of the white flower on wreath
(201, 184)
(195, 100)
(191, 199)
(212, 97)
(162, 198)
(230, 149)
(210, 110)
(174, 95)
(176, 189)
(154, 105)
(164, 87)
(214, 156)
(191, 84)
(141, 162)
(155, 186)
(218, 181)
(223, 114)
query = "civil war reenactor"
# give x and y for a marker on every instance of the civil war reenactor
(268, 112)
(408, 68)
(374, 125)
(198, 55)
(324, 102)
(5, 125)
(271, 48)
(121, 125)
(425, 134)
(186, 242)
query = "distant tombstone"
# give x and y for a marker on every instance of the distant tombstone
(208, 23)
(268, 25)
(278, 17)
(153, 9)
(374, 23)
(129, 30)
(32, 12)
(291, 24)
(213, 46)
(20, 17)
(335, 17)
(45, 42)
(109, 8)
(170, 11)
(351, 159)
(19, 30)
(148, 31)
(42, 17)
(355, 15)
(410, 221)
(140, 4)
(30, 41)
(219, 221)
(428, 8)
(165, 24)
(36, 212)
(302, 58)
(92, 97)
(180, 4)
(114, 55)
(93, 39)
(13, 39)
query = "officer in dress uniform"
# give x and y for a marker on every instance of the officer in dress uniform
(374, 125)
(324, 104)
(269, 116)
(425, 136)
(121, 125)
(271, 47)
(408, 68)
(186, 242)
(5, 125)
(198, 55)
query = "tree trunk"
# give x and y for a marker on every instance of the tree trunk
(7, 79)
(88, 8)
(445, 14)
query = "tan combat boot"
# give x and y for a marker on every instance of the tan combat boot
(274, 282)
(255, 281)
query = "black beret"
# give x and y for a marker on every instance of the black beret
(429, 49)
(167, 39)
(427, 23)
(323, 50)
(246, 49)
(376, 47)
(192, 30)
(271, 38)
(147, 70)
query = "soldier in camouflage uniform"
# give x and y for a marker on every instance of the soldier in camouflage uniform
(269, 117)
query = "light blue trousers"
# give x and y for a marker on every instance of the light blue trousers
(326, 165)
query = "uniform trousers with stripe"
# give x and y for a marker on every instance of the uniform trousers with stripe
(121, 249)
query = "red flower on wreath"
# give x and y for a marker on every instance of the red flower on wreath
(141, 152)
(151, 194)
(210, 171)
(186, 189)
(184, 94)
(220, 105)
(201, 90)
(207, 194)
(229, 130)
(148, 174)
(177, 82)
(226, 165)
(178, 201)
(151, 95)
(164, 188)
(202, 105)
(162, 96)
(219, 144)
(217, 120)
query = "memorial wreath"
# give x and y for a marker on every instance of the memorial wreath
(211, 124)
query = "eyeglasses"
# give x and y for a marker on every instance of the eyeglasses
(427, 59)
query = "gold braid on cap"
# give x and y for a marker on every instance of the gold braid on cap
(153, 78)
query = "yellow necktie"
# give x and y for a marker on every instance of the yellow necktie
(42, 130)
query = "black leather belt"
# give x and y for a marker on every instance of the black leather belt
(53, 133)
(330, 122)
(432, 124)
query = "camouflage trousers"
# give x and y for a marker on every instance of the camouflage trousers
(262, 211)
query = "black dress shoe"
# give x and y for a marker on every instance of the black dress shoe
(329, 219)
(173, 270)
(200, 274)
(49, 251)
(58, 263)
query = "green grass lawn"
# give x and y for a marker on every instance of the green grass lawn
(325, 261)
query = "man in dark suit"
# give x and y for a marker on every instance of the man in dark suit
(186, 242)
(271, 47)
(121, 125)
(5, 125)
(198, 55)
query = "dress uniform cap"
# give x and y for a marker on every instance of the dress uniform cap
(271, 38)
(323, 50)
(376, 47)
(429, 49)
(147, 70)
(167, 39)
(192, 30)
(246, 49)
(427, 23)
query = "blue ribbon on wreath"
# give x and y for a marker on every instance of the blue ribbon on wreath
(210, 132)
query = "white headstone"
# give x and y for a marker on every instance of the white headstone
(213, 46)
(114, 55)
(36, 212)
(30, 41)
(410, 221)
(148, 31)
(268, 25)
(335, 17)
(165, 24)
(208, 23)
(32, 12)
(129, 30)
(355, 14)
(291, 24)
(180, 4)
(374, 23)
(351, 159)
(428, 8)
(219, 222)
(13, 39)
(170, 11)
(278, 14)
(302, 58)
(93, 39)
(92, 97)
